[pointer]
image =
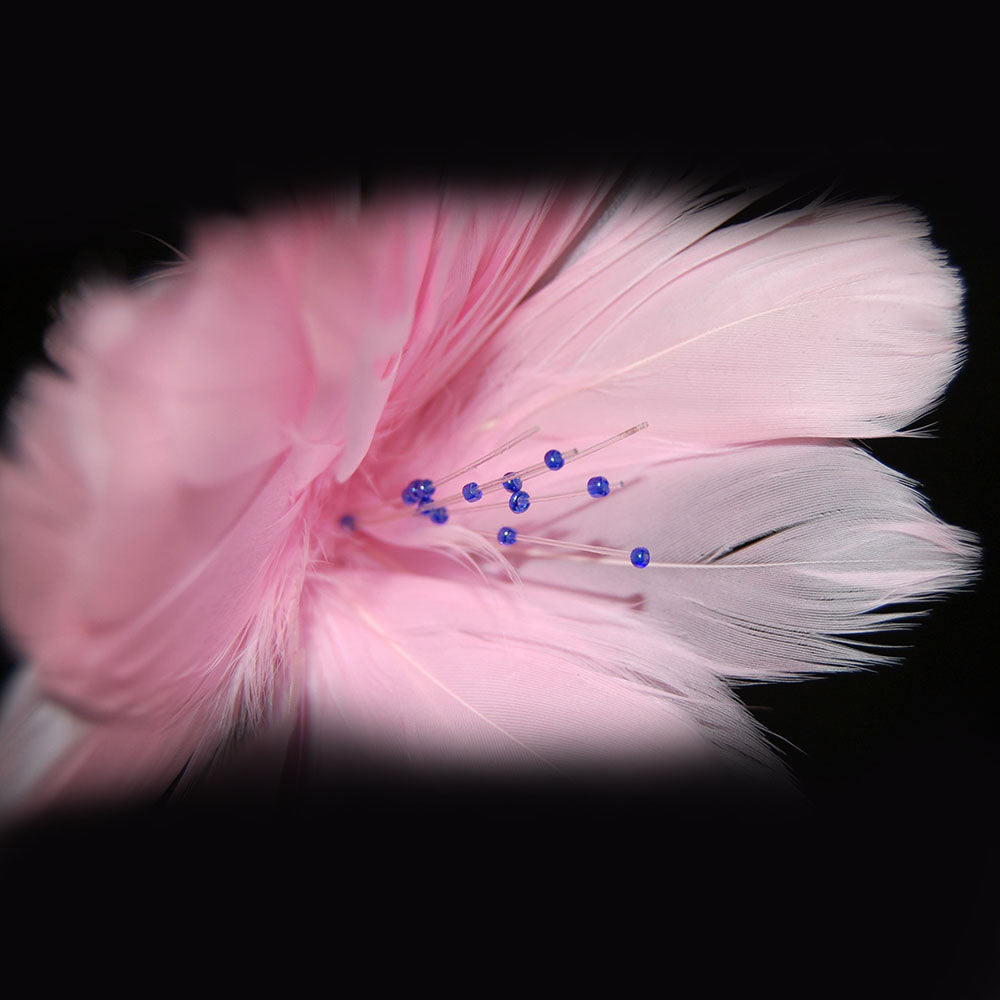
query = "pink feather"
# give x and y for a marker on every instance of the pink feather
(177, 575)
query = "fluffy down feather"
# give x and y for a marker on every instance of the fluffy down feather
(177, 573)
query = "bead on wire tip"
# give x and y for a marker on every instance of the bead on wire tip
(552, 460)
(419, 491)
(519, 502)
(437, 514)
(598, 486)
(639, 557)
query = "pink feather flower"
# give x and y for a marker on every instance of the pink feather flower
(239, 524)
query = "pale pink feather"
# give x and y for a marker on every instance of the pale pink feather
(528, 677)
(831, 321)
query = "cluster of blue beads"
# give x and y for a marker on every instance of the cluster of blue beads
(419, 491)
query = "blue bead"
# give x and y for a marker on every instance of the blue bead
(347, 522)
(597, 486)
(472, 492)
(506, 536)
(511, 483)
(639, 557)
(554, 459)
(437, 514)
(519, 502)
(419, 491)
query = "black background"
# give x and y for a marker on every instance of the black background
(889, 862)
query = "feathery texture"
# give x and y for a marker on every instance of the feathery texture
(175, 563)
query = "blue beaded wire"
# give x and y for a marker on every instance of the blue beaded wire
(639, 557)
(472, 492)
(519, 502)
(419, 491)
(437, 514)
